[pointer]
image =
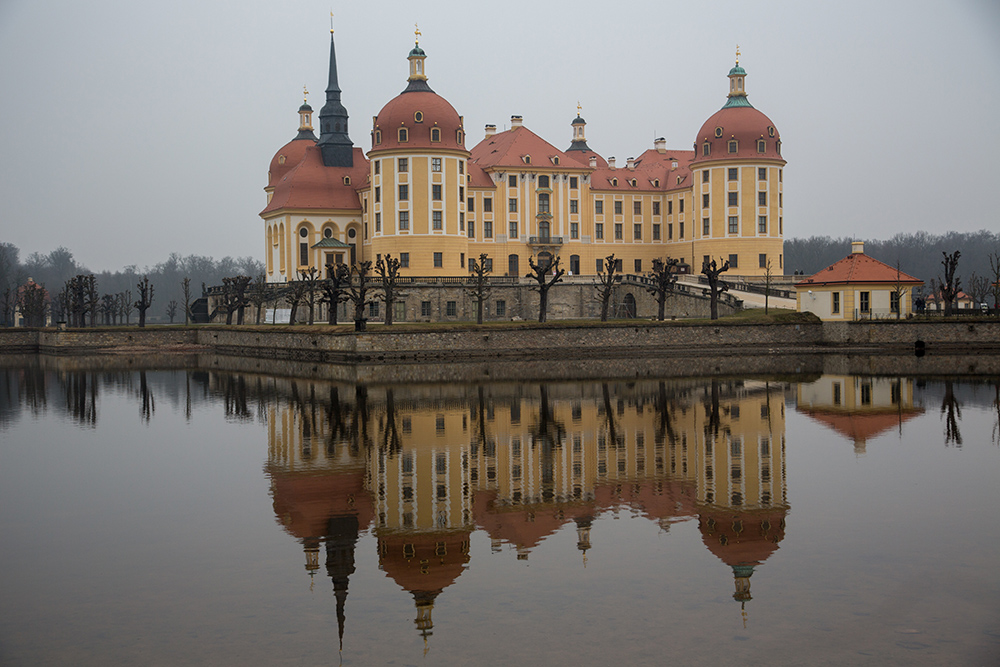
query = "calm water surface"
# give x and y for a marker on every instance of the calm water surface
(167, 517)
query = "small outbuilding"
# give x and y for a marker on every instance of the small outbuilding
(855, 288)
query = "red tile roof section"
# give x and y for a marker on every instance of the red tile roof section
(653, 172)
(858, 268)
(507, 149)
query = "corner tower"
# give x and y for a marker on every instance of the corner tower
(334, 141)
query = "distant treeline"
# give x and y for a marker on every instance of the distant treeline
(54, 269)
(918, 254)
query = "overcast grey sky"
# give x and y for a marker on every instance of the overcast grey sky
(129, 130)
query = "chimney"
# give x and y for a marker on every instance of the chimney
(516, 121)
(660, 145)
(593, 160)
(857, 247)
(611, 163)
(490, 130)
(630, 163)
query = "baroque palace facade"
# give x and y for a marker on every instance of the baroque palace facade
(421, 196)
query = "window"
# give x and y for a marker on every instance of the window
(761, 199)
(574, 206)
(599, 230)
(373, 308)
(404, 192)
(734, 146)
(656, 208)
(762, 224)
(461, 167)
(438, 260)
(638, 266)
(573, 182)
(501, 308)
(780, 175)
(425, 308)
(419, 116)
(670, 231)
(704, 200)
(435, 164)
(378, 222)
(866, 394)
(864, 302)
(459, 137)
(303, 248)
(706, 149)
(734, 224)
(734, 261)
(777, 147)
(761, 173)
(512, 181)
(670, 207)
(403, 165)
(836, 385)
(543, 203)
(680, 230)
(461, 260)
(637, 208)
(835, 306)
(893, 302)
(706, 226)
(762, 260)
(489, 264)
(600, 265)
(435, 134)
(704, 176)
(681, 209)
(512, 230)
(472, 225)
(656, 232)
(599, 207)
(470, 205)
(574, 265)
(543, 181)
(574, 230)
(761, 146)
(780, 226)
(404, 260)
(378, 137)
(512, 264)
(451, 308)
(618, 208)
(734, 198)
(732, 173)
(512, 205)
(780, 199)
(488, 229)
(487, 205)
(436, 220)
(378, 193)
(436, 192)
(618, 231)
(377, 166)
(637, 232)
(404, 220)
(403, 136)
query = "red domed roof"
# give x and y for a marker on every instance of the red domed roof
(744, 124)
(287, 157)
(310, 184)
(432, 110)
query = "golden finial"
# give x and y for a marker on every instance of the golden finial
(737, 54)
(305, 95)
(416, 34)
(578, 108)
(331, 23)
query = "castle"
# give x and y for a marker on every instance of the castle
(419, 195)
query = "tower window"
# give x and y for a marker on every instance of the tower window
(777, 147)
(734, 146)
(404, 220)
(435, 164)
(378, 136)
(436, 220)
(704, 174)
(459, 137)
(761, 173)
(734, 225)
(762, 224)
(706, 149)
(404, 165)
(403, 135)
(435, 192)
(435, 134)
(404, 192)
(732, 173)
(734, 198)
(762, 199)
(761, 145)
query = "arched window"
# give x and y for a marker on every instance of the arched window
(544, 260)
(435, 134)
(402, 135)
(281, 248)
(459, 137)
(761, 146)
(629, 304)
(378, 136)
(543, 231)
(270, 250)
(543, 181)
(303, 247)
(706, 149)
(512, 266)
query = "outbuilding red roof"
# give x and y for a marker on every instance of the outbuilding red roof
(859, 268)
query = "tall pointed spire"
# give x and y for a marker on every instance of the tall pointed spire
(334, 141)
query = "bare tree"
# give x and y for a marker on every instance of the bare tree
(310, 279)
(338, 277)
(995, 277)
(186, 291)
(605, 284)
(711, 270)
(546, 275)
(479, 282)
(664, 280)
(109, 309)
(358, 293)
(951, 284)
(145, 299)
(898, 293)
(171, 310)
(388, 271)
(294, 296)
(768, 279)
(234, 297)
(125, 306)
(979, 289)
(259, 295)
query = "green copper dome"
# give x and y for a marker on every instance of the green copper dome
(417, 51)
(737, 71)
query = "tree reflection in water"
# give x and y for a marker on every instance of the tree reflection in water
(952, 409)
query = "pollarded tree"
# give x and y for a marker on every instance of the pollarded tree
(479, 282)
(388, 271)
(145, 299)
(951, 284)
(605, 284)
(358, 293)
(310, 279)
(186, 291)
(546, 275)
(338, 277)
(295, 294)
(664, 277)
(711, 270)
(258, 295)
(995, 277)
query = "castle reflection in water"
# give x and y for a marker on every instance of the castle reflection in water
(424, 468)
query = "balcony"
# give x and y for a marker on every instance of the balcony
(545, 240)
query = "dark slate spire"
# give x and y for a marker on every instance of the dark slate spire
(334, 141)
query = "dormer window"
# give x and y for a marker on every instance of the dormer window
(378, 136)
(419, 116)
(777, 146)
(656, 182)
(526, 159)
(555, 159)
(281, 159)
(706, 149)
(734, 146)
(459, 137)
(761, 146)
(347, 180)
(614, 182)
(632, 182)
(403, 135)
(435, 134)
(770, 131)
